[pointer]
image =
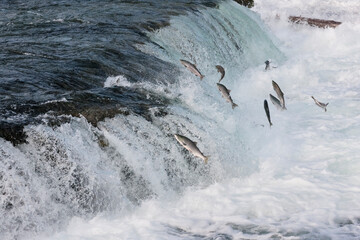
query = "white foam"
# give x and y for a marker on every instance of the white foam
(297, 180)
(54, 101)
(117, 81)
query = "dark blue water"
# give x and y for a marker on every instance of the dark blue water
(53, 50)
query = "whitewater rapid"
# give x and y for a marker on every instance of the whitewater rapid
(298, 179)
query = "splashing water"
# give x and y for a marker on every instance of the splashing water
(130, 179)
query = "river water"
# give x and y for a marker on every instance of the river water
(93, 93)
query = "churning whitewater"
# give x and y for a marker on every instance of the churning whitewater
(129, 178)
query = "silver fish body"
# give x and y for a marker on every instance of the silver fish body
(226, 94)
(320, 104)
(276, 102)
(266, 107)
(192, 68)
(221, 70)
(191, 147)
(279, 93)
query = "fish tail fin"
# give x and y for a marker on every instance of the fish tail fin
(201, 77)
(234, 105)
(326, 104)
(325, 110)
(206, 159)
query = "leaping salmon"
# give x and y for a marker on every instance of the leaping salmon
(192, 68)
(320, 104)
(266, 107)
(191, 147)
(276, 102)
(226, 94)
(221, 70)
(279, 93)
(267, 65)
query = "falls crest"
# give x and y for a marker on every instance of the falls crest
(78, 170)
(229, 35)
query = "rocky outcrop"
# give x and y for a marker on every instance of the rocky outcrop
(56, 113)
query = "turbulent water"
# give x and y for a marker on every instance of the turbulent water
(93, 93)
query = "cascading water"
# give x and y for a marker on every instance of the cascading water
(78, 170)
(128, 178)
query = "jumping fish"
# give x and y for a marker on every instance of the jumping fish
(266, 107)
(221, 70)
(276, 102)
(267, 65)
(191, 147)
(192, 68)
(279, 93)
(226, 94)
(320, 104)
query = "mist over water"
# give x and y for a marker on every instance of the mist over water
(128, 178)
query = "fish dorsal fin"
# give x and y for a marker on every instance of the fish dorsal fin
(195, 143)
(229, 90)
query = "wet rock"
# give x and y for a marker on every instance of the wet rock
(87, 105)
(13, 133)
(314, 22)
(152, 26)
(246, 3)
